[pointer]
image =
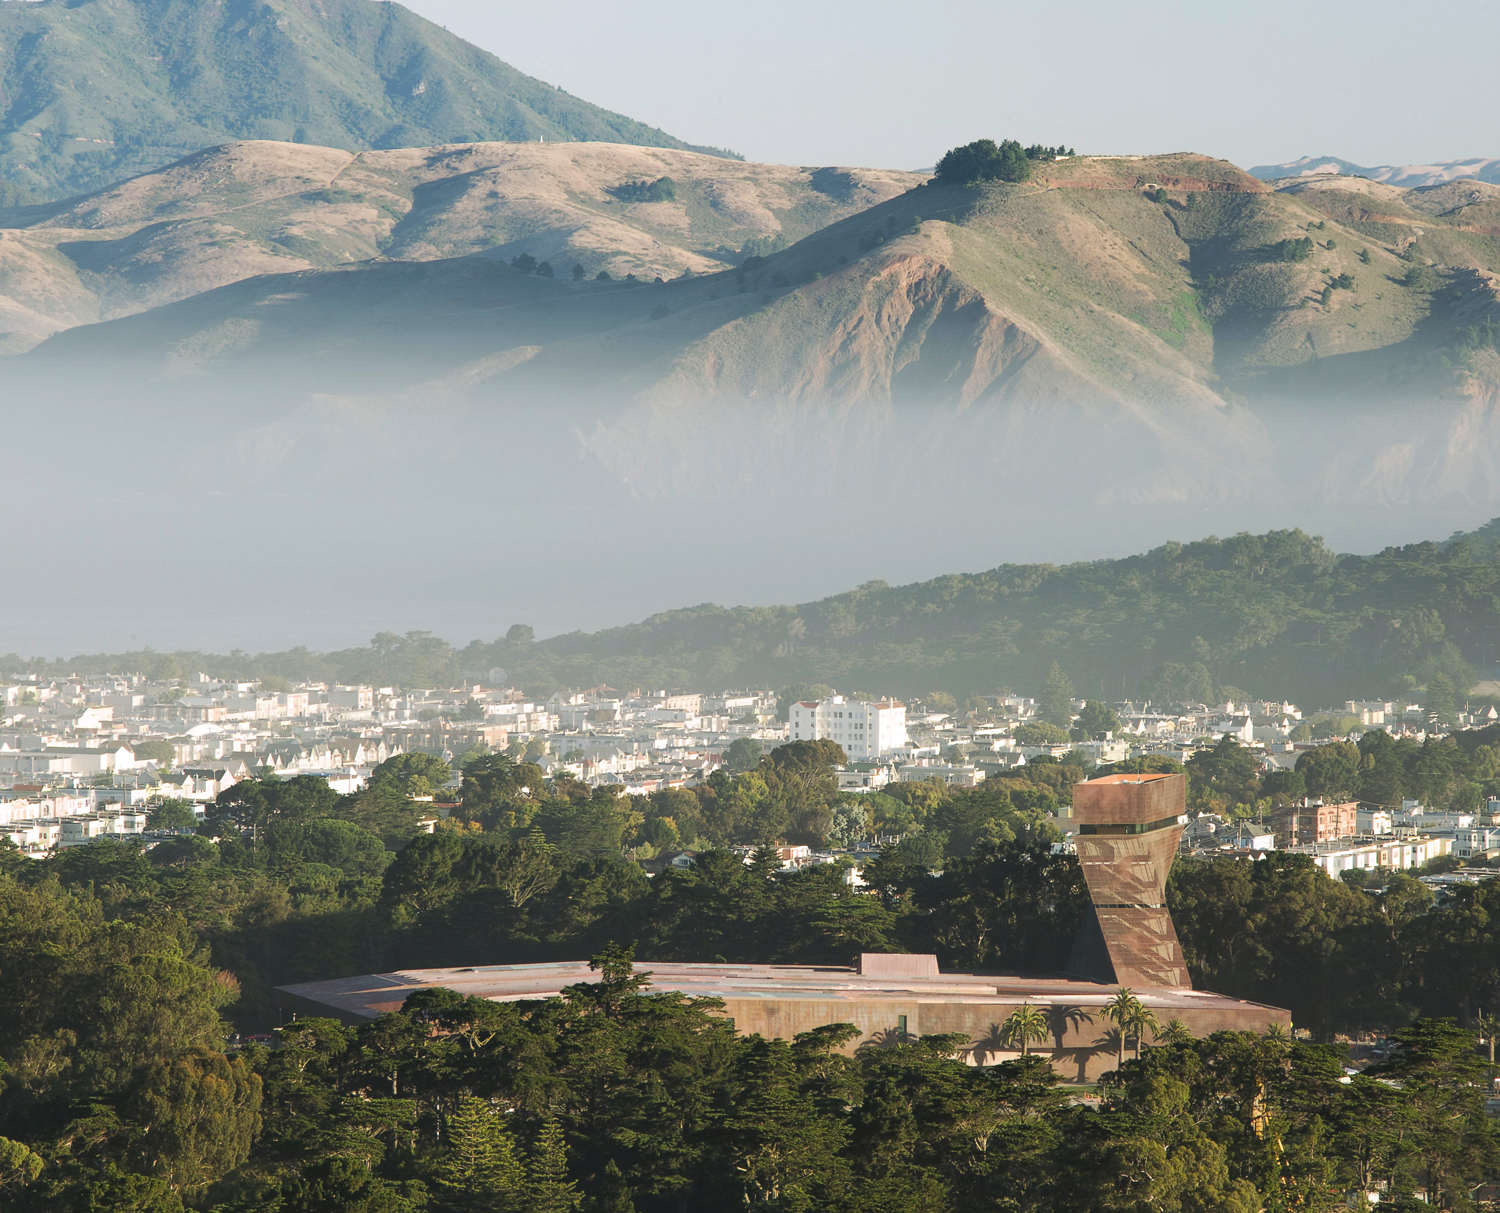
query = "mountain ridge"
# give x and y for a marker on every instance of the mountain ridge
(1132, 279)
(1407, 176)
(94, 91)
(1090, 348)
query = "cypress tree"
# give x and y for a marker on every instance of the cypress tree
(614, 1192)
(1055, 703)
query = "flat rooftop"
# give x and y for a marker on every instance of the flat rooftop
(359, 998)
(1143, 777)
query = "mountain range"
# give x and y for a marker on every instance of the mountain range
(93, 91)
(1160, 294)
(1407, 176)
(319, 293)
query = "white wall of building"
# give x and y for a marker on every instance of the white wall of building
(863, 729)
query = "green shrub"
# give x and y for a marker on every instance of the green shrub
(1298, 248)
(663, 189)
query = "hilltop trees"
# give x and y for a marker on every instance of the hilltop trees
(984, 160)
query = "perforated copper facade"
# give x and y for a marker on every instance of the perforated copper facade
(1127, 831)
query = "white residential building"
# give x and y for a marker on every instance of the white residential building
(863, 729)
(1396, 855)
(351, 699)
(1476, 842)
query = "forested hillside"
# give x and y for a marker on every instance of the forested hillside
(1274, 615)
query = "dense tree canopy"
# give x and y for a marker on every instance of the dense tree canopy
(618, 1096)
(984, 160)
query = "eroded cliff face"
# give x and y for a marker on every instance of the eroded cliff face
(910, 330)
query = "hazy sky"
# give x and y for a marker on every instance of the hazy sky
(894, 85)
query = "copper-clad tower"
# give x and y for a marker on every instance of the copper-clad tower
(1127, 831)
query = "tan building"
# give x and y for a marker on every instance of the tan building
(1128, 830)
(1309, 824)
(887, 997)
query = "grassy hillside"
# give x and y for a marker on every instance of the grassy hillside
(1275, 615)
(1127, 282)
(92, 91)
(246, 209)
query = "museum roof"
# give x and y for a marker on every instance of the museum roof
(356, 998)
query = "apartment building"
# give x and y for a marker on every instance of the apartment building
(864, 729)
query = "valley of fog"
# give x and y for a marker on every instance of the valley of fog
(273, 412)
(210, 515)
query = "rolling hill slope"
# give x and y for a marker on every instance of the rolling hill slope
(247, 209)
(1272, 614)
(92, 91)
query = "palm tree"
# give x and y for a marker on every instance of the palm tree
(1121, 1011)
(1142, 1020)
(1025, 1025)
(1175, 1033)
(1277, 1034)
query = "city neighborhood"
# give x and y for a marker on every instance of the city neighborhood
(87, 758)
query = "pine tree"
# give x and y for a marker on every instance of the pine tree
(1055, 703)
(481, 1169)
(614, 1192)
(548, 1188)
